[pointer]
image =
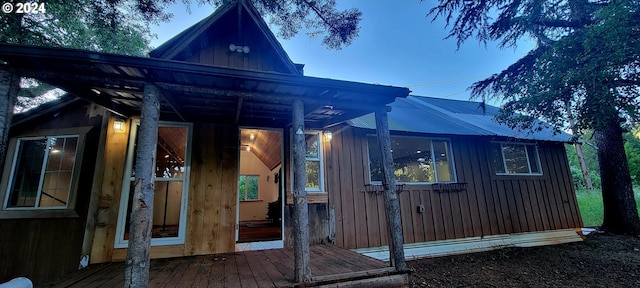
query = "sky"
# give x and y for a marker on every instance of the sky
(397, 45)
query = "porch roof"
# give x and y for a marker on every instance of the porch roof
(195, 92)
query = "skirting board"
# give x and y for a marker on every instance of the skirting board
(439, 248)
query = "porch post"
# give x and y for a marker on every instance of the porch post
(137, 263)
(391, 205)
(300, 206)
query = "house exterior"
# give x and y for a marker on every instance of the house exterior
(224, 157)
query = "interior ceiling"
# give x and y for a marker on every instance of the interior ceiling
(172, 140)
(266, 145)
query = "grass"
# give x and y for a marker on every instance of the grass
(591, 206)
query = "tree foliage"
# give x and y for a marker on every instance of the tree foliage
(585, 70)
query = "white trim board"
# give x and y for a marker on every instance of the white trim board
(439, 248)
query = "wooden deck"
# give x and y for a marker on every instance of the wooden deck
(330, 266)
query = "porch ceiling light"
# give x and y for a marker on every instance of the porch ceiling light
(118, 125)
(328, 136)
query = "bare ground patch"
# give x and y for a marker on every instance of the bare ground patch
(601, 260)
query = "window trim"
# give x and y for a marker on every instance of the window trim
(249, 200)
(454, 178)
(9, 166)
(120, 242)
(504, 164)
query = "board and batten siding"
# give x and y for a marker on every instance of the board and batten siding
(46, 248)
(211, 212)
(491, 205)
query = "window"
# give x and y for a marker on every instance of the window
(515, 159)
(415, 160)
(171, 185)
(313, 163)
(42, 173)
(248, 187)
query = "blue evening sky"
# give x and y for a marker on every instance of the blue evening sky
(397, 45)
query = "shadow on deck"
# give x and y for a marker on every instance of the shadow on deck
(330, 267)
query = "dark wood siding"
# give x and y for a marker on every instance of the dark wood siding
(46, 248)
(491, 204)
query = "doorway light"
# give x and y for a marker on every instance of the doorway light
(118, 125)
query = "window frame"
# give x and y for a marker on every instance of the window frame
(504, 160)
(246, 190)
(10, 165)
(319, 159)
(452, 162)
(120, 242)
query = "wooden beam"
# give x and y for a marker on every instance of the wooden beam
(391, 203)
(300, 200)
(138, 253)
(175, 106)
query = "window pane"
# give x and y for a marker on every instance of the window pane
(375, 159)
(166, 209)
(312, 145)
(533, 159)
(252, 187)
(242, 187)
(313, 174)
(412, 159)
(443, 160)
(167, 201)
(515, 158)
(171, 152)
(26, 176)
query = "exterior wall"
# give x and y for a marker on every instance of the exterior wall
(491, 204)
(211, 211)
(47, 248)
(216, 52)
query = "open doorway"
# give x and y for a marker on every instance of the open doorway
(259, 216)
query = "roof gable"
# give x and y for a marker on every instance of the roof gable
(236, 36)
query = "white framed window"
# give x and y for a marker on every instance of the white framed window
(314, 163)
(248, 187)
(416, 160)
(508, 158)
(173, 152)
(41, 174)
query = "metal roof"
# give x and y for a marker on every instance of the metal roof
(417, 114)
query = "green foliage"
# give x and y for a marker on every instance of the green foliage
(248, 187)
(585, 61)
(632, 148)
(591, 207)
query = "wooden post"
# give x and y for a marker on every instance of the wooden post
(137, 263)
(391, 203)
(300, 200)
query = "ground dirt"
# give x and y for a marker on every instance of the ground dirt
(601, 260)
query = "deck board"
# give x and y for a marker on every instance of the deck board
(266, 268)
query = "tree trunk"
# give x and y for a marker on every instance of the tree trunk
(137, 264)
(9, 87)
(620, 210)
(583, 167)
(391, 203)
(300, 204)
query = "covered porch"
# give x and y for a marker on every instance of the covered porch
(332, 266)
